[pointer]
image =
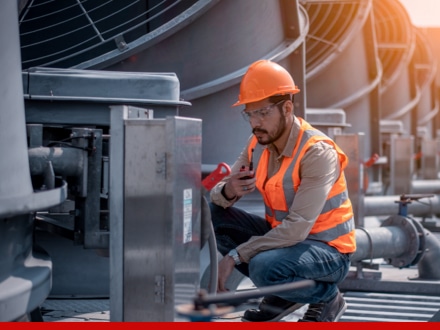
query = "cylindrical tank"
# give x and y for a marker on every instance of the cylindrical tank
(25, 271)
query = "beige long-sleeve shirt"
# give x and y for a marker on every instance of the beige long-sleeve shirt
(319, 170)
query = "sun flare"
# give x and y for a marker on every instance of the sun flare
(423, 13)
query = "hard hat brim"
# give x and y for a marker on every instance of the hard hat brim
(292, 92)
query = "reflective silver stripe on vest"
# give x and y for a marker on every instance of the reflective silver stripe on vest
(330, 204)
(279, 215)
(258, 151)
(333, 233)
(335, 202)
(268, 210)
(289, 192)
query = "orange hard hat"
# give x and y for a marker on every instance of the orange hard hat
(263, 79)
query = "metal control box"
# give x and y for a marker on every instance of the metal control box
(155, 194)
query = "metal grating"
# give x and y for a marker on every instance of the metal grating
(362, 307)
(380, 307)
(66, 33)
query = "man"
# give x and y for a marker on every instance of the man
(308, 230)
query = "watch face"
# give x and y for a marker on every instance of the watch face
(233, 253)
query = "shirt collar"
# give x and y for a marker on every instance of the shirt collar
(290, 145)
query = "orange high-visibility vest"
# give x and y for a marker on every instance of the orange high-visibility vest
(335, 224)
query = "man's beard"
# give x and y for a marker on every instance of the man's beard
(271, 138)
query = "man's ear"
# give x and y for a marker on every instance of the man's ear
(288, 108)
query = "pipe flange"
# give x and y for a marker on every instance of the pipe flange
(422, 241)
(412, 252)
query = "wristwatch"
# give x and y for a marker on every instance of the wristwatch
(234, 254)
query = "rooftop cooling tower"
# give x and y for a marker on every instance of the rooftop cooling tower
(342, 70)
(209, 50)
(396, 45)
(425, 69)
(92, 34)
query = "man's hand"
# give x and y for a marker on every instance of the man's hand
(225, 268)
(237, 186)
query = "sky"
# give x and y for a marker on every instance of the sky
(423, 13)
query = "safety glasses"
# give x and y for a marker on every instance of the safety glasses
(261, 113)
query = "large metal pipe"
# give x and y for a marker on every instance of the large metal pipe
(429, 267)
(380, 242)
(386, 205)
(425, 186)
(65, 161)
(402, 242)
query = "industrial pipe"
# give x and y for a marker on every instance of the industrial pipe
(402, 242)
(66, 161)
(425, 186)
(385, 205)
(428, 266)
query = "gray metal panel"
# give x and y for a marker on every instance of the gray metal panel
(430, 159)
(402, 164)
(101, 86)
(82, 113)
(161, 225)
(116, 208)
(80, 97)
(118, 114)
(353, 145)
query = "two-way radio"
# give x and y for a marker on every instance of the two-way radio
(251, 167)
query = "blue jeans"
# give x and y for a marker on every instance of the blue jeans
(312, 260)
